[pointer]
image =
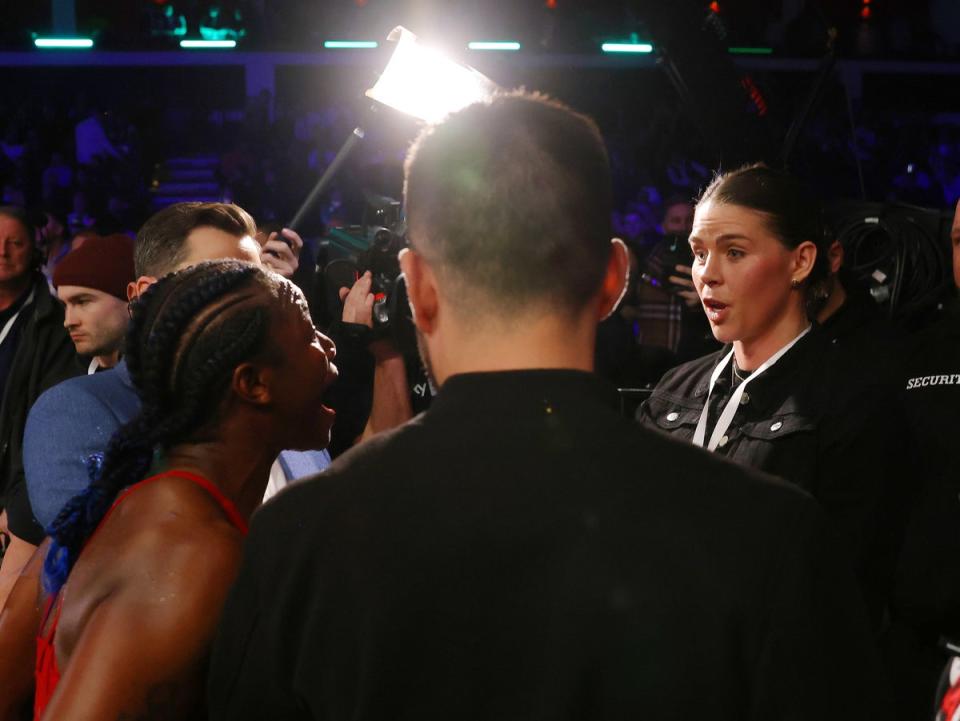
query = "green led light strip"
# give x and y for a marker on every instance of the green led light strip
(627, 48)
(207, 44)
(751, 51)
(350, 44)
(61, 43)
(497, 45)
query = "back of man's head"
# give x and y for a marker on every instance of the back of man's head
(162, 241)
(509, 201)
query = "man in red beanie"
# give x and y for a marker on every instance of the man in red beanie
(92, 281)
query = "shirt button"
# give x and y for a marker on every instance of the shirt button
(723, 441)
(776, 426)
(745, 398)
(671, 417)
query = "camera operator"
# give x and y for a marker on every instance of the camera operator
(373, 393)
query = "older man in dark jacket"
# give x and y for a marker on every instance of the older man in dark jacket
(35, 354)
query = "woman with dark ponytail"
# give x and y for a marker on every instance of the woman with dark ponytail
(230, 371)
(773, 398)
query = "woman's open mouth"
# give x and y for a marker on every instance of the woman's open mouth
(715, 310)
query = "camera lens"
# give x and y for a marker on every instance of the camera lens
(382, 240)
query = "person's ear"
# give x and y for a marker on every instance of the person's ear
(614, 279)
(139, 286)
(251, 384)
(421, 289)
(804, 258)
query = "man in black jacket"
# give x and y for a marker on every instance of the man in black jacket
(520, 550)
(35, 353)
(926, 603)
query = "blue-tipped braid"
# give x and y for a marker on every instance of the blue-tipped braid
(162, 339)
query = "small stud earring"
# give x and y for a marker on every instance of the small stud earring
(794, 283)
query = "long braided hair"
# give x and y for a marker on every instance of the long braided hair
(187, 334)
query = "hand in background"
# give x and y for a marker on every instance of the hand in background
(684, 280)
(282, 256)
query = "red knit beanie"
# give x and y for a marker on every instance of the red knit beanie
(102, 263)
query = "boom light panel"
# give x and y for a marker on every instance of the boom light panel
(498, 45)
(351, 45)
(207, 44)
(63, 43)
(627, 48)
(424, 83)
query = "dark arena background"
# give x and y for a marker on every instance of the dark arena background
(250, 101)
(856, 95)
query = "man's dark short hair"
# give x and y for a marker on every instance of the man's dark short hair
(162, 241)
(510, 201)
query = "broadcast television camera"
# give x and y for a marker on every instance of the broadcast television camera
(374, 246)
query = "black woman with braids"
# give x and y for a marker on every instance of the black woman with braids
(230, 370)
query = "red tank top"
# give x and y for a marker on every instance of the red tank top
(47, 673)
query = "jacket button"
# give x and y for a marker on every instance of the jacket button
(723, 441)
(745, 398)
(776, 426)
(672, 416)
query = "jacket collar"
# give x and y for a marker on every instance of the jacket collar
(514, 392)
(44, 303)
(775, 389)
(123, 373)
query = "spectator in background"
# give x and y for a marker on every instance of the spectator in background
(81, 220)
(92, 283)
(166, 20)
(222, 23)
(35, 353)
(56, 242)
(57, 181)
(656, 308)
(677, 216)
(12, 145)
(91, 140)
(654, 325)
(13, 196)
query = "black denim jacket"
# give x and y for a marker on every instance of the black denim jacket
(815, 423)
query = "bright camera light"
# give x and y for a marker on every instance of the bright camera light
(424, 83)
